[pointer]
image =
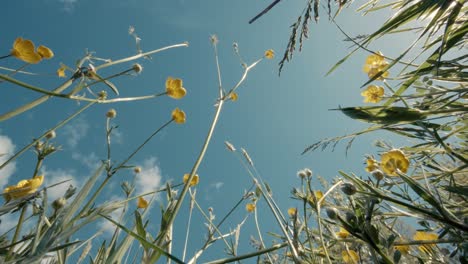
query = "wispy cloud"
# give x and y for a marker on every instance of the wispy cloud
(68, 5)
(91, 160)
(149, 179)
(7, 149)
(217, 185)
(76, 131)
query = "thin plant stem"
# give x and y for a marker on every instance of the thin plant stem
(250, 255)
(260, 235)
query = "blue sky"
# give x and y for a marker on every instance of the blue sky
(274, 119)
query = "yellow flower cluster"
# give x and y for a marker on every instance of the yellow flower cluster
(250, 207)
(376, 63)
(269, 54)
(427, 248)
(350, 257)
(391, 163)
(23, 188)
(178, 116)
(142, 203)
(24, 50)
(373, 94)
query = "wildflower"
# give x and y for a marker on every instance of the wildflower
(23, 49)
(137, 170)
(292, 211)
(308, 172)
(45, 52)
(404, 249)
(142, 203)
(350, 257)
(233, 96)
(214, 39)
(348, 188)
(343, 233)
(23, 188)
(373, 94)
(137, 67)
(372, 164)
(419, 235)
(61, 71)
(270, 54)
(51, 134)
(111, 113)
(194, 180)
(174, 88)
(229, 146)
(250, 207)
(375, 63)
(394, 161)
(178, 116)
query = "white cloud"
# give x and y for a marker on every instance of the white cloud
(90, 160)
(76, 131)
(55, 176)
(106, 226)
(68, 5)
(149, 179)
(7, 149)
(217, 185)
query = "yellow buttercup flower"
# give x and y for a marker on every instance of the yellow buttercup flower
(178, 116)
(142, 203)
(174, 88)
(318, 196)
(343, 233)
(233, 97)
(61, 71)
(23, 49)
(270, 54)
(394, 161)
(292, 211)
(419, 235)
(372, 164)
(373, 94)
(404, 249)
(350, 257)
(375, 63)
(194, 180)
(45, 52)
(23, 188)
(250, 207)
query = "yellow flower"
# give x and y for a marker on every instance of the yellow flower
(292, 211)
(375, 63)
(350, 257)
(178, 116)
(45, 52)
(23, 188)
(174, 88)
(343, 233)
(270, 54)
(318, 196)
(233, 96)
(419, 235)
(61, 71)
(250, 207)
(393, 161)
(404, 249)
(373, 94)
(194, 180)
(142, 203)
(23, 49)
(372, 164)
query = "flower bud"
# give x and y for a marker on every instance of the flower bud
(332, 213)
(137, 68)
(348, 188)
(59, 203)
(51, 134)
(137, 170)
(378, 174)
(111, 113)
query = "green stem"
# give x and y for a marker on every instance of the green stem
(250, 255)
